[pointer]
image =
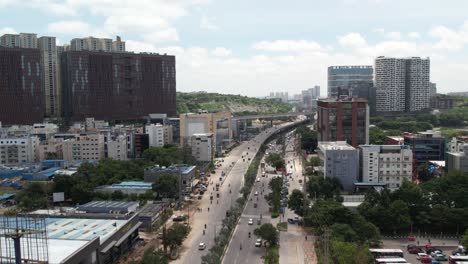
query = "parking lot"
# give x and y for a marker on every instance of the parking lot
(447, 245)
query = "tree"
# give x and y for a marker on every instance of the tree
(51, 156)
(399, 213)
(465, 239)
(164, 156)
(33, 196)
(275, 160)
(175, 235)
(166, 185)
(314, 161)
(326, 188)
(343, 232)
(296, 201)
(268, 233)
(308, 138)
(424, 174)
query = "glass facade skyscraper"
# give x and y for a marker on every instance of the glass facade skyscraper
(342, 79)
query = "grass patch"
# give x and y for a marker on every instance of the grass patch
(272, 255)
(274, 214)
(283, 226)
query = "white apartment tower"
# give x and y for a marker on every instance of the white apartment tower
(97, 44)
(402, 84)
(51, 78)
(388, 164)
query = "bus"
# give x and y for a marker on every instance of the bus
(386, 253)
(390, 260)
(457, 259)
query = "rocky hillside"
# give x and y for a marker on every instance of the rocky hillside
(237, 104)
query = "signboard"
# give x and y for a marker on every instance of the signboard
(58, 197)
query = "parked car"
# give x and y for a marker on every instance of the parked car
(201, 246)
(258, 243)
(439, 256)
(415, 250)
(421, 255)
(250, 221)
(426, 259)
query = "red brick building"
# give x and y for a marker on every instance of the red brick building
(344, 119)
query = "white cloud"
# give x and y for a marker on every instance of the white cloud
(352, 40)
(395, 35)
(208, 24)
(450, 39)
(76, 28)
(414, 35)
(7, 30)
(132, 23)
(288, 46)
(221, 52)
(164, 35)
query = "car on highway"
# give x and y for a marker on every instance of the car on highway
(250, 221)
(258, 180)
(256, 193)
(201, 246)
(258, 243)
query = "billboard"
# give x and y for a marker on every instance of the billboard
(58, 197)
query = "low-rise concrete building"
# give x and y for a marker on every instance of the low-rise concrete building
(389, 164)
(458, 161)
(185, 173)
(203, 147)
(117, 148)
(159, 135)
(127, 187)
(18, 150)
(85, 147)
(339, 160)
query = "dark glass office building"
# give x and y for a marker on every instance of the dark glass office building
(341, 79)
(117, 85)
(21, 93)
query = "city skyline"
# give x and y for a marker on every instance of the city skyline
(286, 50)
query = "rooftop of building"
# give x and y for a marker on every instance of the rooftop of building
(385, 147)
(182, 168)
(108, 204)
(68, 235)
(335, 145)
(129, 185)
(202, 134)
(346, 99)
(152, 209)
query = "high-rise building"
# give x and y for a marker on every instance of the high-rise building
(50, 79)
(345, 119)
(365, 90)
(21, 93)
(389, 164)
(21, 40)
(117, 85)
(339, 160)
(97, 44)
(28, 40)
(432, 89)
(342, 78)
(402, 84)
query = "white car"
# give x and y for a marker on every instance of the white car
(201, 246)
(256, 193)
(420, 255)
(258, 243)
(258, 180)
(250, 221)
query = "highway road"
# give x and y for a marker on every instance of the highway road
(229, 192)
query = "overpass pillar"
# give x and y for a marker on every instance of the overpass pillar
(271, 123)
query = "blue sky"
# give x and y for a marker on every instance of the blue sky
(253, 47)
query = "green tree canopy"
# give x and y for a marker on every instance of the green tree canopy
(296, 201)
(268, 233)
(275, 160)
(176, 235)
(166, 185)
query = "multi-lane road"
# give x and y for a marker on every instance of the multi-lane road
(213, 212)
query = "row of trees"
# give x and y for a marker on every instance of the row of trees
(438, 205)
(308, 138)
(275, 160)
(274, 197)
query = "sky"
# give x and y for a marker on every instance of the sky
(254, 47)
